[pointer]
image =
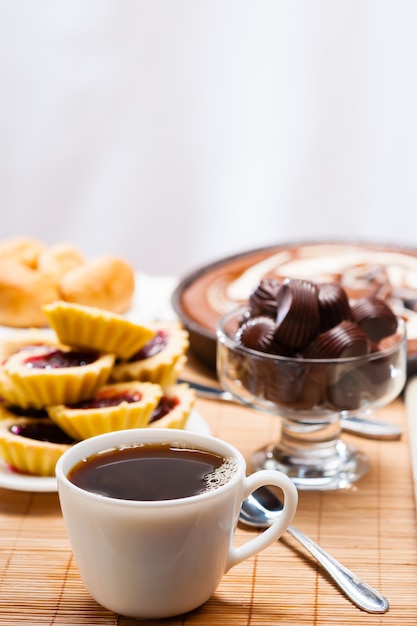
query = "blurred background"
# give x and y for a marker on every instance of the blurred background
(175, 132)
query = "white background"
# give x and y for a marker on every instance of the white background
(174, 132)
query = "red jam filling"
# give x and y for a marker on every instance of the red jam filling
(20, 412)
(26, 347)
(55, 359)
(153, 347)
(165, 406)
(107, 399)
(41, 432)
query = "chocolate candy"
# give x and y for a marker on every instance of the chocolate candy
(263, 299)
(257, 333)
(297, 313)
(340, 342)
(334, 305)
(375, 318)
(345, 393)
(315, 323)
(288, 384)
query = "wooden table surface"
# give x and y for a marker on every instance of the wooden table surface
(371, 528)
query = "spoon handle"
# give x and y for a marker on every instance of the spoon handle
(356, 589)
(369, 427)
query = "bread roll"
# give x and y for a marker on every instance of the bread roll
(59, 259)
(23, 291)
(106, 282)
(23, 250)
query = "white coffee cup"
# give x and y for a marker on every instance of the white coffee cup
(156, 559)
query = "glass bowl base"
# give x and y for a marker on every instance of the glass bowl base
(325, 470)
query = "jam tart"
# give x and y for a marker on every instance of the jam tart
(21, 339)
(116, 406)
(174, 407)
(96, 329)
(159, 361)
(41, 375)
(31, 445)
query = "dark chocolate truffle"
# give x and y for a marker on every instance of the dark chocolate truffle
(334, 305)
(375, 318)
(345, 393)
(263, 299)
(342, 341)
(297, 313)
(257, 333)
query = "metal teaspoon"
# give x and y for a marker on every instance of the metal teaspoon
(259, 509)
(363, 427)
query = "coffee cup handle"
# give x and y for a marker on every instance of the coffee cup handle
(264, 478)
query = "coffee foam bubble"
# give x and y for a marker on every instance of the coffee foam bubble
(221, 475)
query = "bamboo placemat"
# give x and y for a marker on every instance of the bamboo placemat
(370, 528)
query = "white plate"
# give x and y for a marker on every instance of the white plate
(24, 482)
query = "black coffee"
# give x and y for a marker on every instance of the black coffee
(152, 472)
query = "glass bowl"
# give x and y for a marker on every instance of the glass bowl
(311, 396)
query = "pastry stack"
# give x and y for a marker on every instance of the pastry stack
(92, 371)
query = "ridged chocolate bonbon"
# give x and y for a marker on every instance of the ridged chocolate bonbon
(333, 304)
(343, 341)
(297, 319)
(315, 323)
(375, 318)
(257, 333)
(263, 299)
(289, 384)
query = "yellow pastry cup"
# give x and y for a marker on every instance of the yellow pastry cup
(33, 387)
(164, 365)
(96, 329)
(26, 455)
(178, 402)
(135, 403)
(17, 341)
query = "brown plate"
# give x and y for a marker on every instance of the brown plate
(388, 271)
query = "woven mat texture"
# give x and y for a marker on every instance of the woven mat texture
(370, 528)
